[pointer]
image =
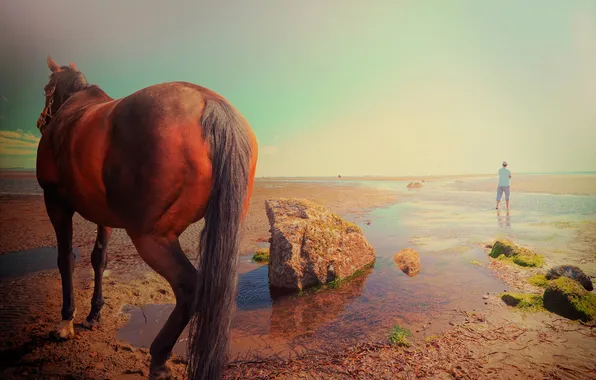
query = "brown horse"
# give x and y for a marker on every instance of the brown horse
(151, 163)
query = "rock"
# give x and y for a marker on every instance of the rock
(312, 246)
(502, 247)
(408, 261)
(569, 299)
(524, 301)
(571, 272)
(485, 297)
(519, 255)
(414, 185)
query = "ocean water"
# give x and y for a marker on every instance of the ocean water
(20, 185)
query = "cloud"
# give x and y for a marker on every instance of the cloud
(18, 143)
(269, 150)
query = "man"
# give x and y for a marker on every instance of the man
(503, 187)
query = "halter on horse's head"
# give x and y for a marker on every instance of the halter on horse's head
(64, 81)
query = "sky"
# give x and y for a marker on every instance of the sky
(334, 87)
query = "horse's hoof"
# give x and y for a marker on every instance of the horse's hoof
(91, 324)
(160, 373)
(65, 330)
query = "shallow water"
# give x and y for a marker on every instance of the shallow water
(16, 264)
(448, 228)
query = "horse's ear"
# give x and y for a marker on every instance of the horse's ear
(52, 65)
(73, 66)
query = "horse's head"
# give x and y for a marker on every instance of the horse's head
(64, 82)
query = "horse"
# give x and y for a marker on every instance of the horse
(151, 163)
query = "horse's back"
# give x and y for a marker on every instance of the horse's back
(158, 161)
(141, 162)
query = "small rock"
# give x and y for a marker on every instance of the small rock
(408, 261)
(572, 272)
(414, 185)
(485, 297)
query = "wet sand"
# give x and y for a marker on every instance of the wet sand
(496, 342)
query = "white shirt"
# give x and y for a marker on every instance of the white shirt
(504, 174)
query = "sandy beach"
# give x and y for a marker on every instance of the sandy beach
(473, 339)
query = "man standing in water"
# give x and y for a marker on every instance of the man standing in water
(503, 187)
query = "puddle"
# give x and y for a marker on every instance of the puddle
(450, 229)
(16, 264)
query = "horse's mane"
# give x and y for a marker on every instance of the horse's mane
(68, 82)
(75, 106)
(75, 94)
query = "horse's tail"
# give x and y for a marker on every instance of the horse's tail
(230, 145)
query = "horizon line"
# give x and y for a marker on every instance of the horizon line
(426, 176)
(372, 175)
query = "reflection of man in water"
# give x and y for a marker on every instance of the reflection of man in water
(503, 186)
(503, 222)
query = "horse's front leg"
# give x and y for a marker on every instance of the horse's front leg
(99, 261)
(60, 213)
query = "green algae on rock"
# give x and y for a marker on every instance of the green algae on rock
(504, 249)
(539, 280)
(524, 301)
(261, 255)
(569, 299)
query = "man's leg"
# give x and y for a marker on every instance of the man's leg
(499, 195)
(507, 196)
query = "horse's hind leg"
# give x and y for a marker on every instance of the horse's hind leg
(60, 214)
(99, 260)
(165, 256)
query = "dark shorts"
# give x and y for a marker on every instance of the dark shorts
(501, 190)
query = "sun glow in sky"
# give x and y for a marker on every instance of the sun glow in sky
(369, 88)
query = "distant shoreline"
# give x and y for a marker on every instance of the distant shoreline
(430, 178)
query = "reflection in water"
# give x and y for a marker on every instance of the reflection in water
(503, 220)
(304, 314)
